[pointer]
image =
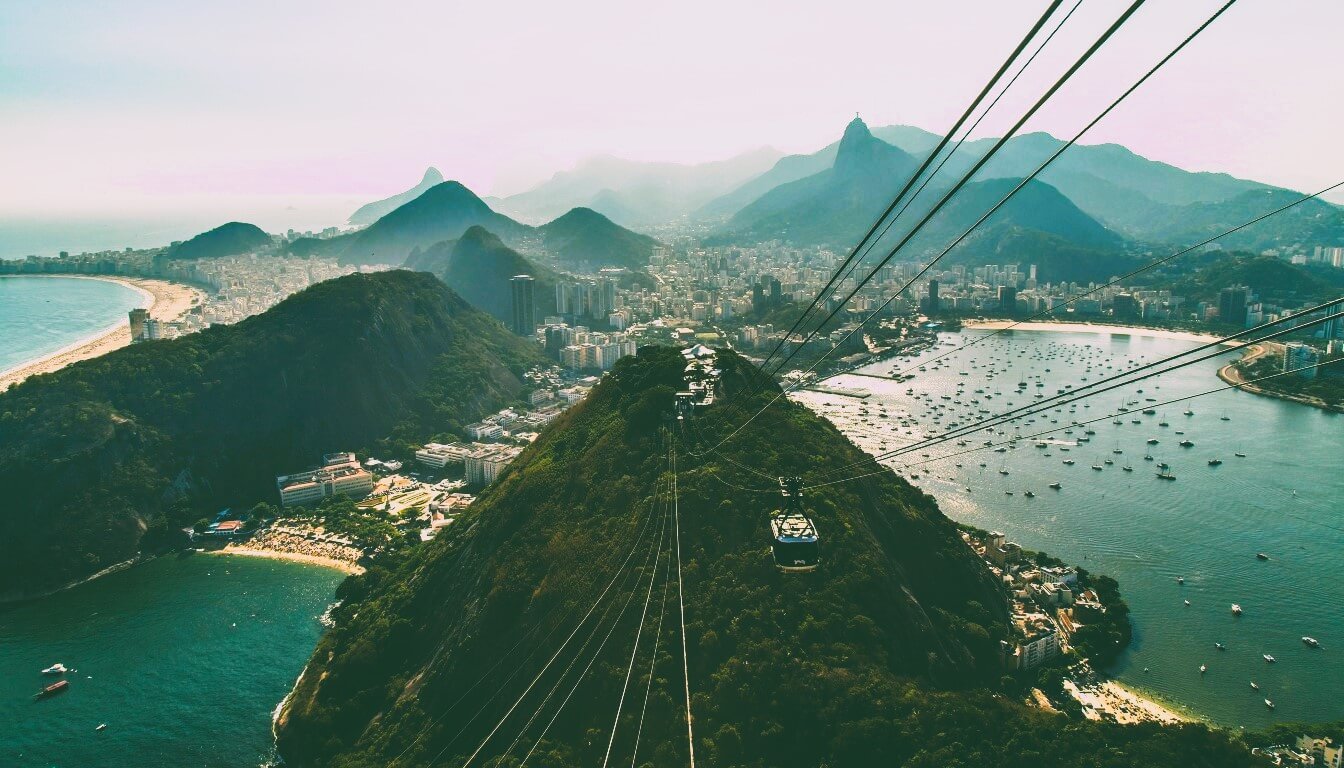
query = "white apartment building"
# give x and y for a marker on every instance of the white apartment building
(339, 475)
(440, 455)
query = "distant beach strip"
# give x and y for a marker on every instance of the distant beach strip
(166, 301)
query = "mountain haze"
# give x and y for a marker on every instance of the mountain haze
(371, 212)
(636, 193)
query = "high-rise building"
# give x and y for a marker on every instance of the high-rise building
(1232, 306)
(138, 318)
(1007, 298)
(932, 305)
(1302, 358)
(524, 305)
(1124, 306)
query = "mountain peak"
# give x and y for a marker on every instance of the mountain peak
(432, 176)
(862, 152)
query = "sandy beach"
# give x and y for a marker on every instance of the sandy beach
(165, 301)
(1110, 700)
(294, 557)
(998, 325)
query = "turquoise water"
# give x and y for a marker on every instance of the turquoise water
(40, 315)
(1284, 499)
(185, 659)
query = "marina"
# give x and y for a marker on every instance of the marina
(1180, 549)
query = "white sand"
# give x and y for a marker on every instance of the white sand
(166, 301)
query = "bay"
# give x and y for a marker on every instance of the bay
(1283, 499)
(184, 658)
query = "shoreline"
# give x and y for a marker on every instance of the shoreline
(348, 568)
(1123, 704)
(1115, 330)
(167, 301)
(1231, 374)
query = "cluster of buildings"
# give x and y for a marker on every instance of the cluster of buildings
(1306, 751)
(339, 475)
(242, 286)
(481, 463)
(1046, 603)
(580, 349)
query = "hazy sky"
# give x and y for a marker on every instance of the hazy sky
(142, 106)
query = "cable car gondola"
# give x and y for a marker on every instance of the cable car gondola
(796, 546)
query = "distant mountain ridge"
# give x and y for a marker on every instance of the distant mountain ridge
(636, 193)
(371, 212)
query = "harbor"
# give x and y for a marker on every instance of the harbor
(1092, 492)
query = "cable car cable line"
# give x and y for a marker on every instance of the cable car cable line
(1112, 383)
(929, 178)
(1125, 276)
(681, 605)
(637, 527)
(999, 143)
(1021, 46)
(556, 655)
(1051, 430)
(1020, 186)
(654, 551)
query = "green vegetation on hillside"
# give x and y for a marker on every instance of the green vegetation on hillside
(887, 655)
(137, 443)
(479, 266)
(225, 240)
(1270, 277)
(585, 237)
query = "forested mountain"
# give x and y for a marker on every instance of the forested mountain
(1313, 222)
(887, 655)
(1270, 278)
(444, 212)
(636, 193)
(113, 454)
(371, 212)
(479, 266)
(1037, 226)
(585, 238)
(832, 207)
(225, 240)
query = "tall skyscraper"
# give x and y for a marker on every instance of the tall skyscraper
(1007, 299)
(1232, 306)
(524, 305)
(933, 296)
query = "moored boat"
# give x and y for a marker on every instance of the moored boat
(56, 669)
(60, 686)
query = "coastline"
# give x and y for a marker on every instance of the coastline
(165, 300)
(1231, 374)
(346, 567)
(1119, 330)
(1124, 704)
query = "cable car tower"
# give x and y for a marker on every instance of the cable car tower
(796, 546)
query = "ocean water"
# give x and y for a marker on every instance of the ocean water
(1285, 499)
(184, 658)
(40, 315)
